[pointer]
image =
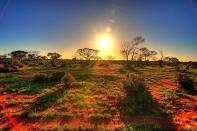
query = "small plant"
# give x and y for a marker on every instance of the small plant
(141, 127)
(41, 78)
(104, 63)
(17, 63)
(29, 114)
(138, 99)
(56, 77)
(177, 68)
(68, 80)
(186, 82)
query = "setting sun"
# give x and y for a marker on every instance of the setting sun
(98, 65)
(104, 43)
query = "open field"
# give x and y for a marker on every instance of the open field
(99, 99)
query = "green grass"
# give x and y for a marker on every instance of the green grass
(142, 127)
(92, 90)
(15, 84)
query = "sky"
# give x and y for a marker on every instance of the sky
(66, 25)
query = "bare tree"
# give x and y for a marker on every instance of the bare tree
(161, 58)
(126, 48)
(86, 54)
(153, 54)
(136, 41)
(161, 55)
(130, 47)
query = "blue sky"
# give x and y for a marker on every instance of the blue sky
(66, 25)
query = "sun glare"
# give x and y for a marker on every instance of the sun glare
(104, 43)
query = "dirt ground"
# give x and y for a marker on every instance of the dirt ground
(180, 106)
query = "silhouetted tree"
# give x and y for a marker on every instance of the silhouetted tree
(41, 57)
(161, 54)
(171, 60)
(161, 58)
(18, 54)
(130, 47)
(126, 49)
(153, 54)
(3, 56)
(32, 55)
(144, 52)
(136, 41)
(86, 54)
(54, 56)
(110, 57)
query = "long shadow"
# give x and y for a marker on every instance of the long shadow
(128, 67)
(42, 103)
(139, 109)
(45, 101)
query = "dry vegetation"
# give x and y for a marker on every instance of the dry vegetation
(102, 95)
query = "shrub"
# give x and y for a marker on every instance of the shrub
(41, 78)
(186, 82)
(143, 127)
(104, 63)
(56, 77)
(17, 63)
(68, 79)
(138, 99)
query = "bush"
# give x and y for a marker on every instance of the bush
(17, 63)
(104, 63)
(56, 77)
(138, 99)
(68, 79)
(41, 78)
(186, 82)
(142, 127)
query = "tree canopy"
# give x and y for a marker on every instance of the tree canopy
(86, 54)
(54, 56)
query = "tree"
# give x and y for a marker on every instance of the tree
(18, 54)
(130, 47)
(3, 56)
(86, 54)
(54, 56)
(126, 49)
(136, 41)
(161, 58)
(161, 55)
(171, 60)
(144, 52)
(110, 57)
(41, 57)
(153, 54)
(32, 55)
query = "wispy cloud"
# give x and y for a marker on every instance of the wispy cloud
(2, 12)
